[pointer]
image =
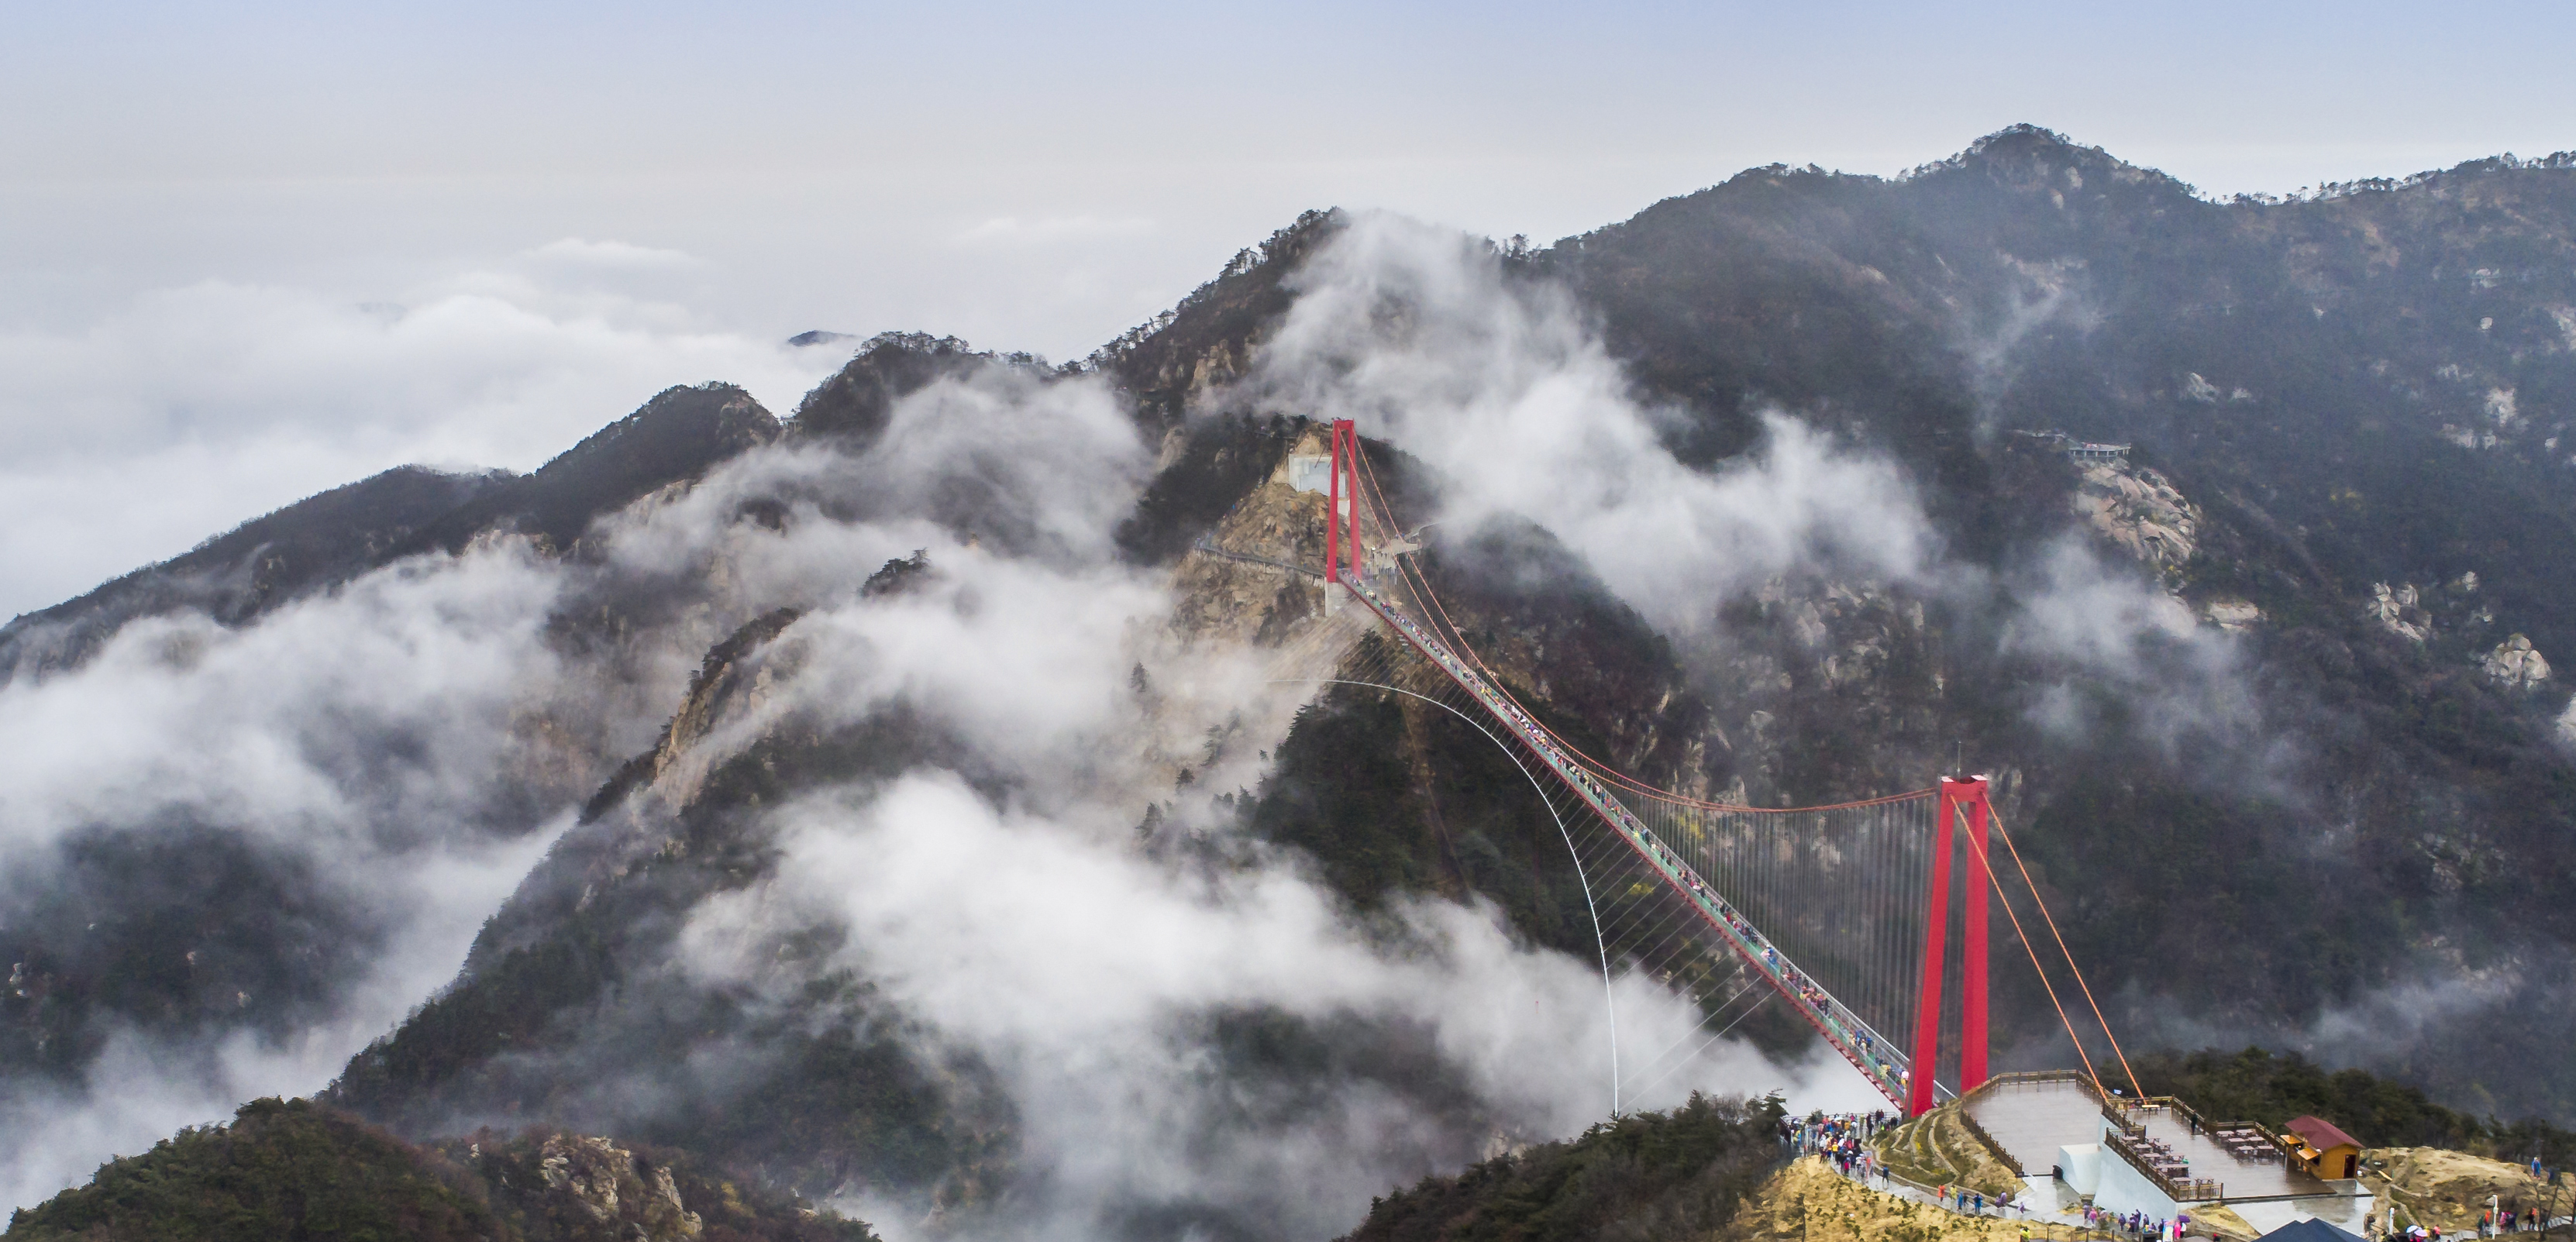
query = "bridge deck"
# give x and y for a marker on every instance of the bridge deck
(1868, 1051)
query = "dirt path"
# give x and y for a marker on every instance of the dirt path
(1936, 1149)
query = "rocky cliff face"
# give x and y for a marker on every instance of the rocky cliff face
(1259, 571)
(2514, 665)
(2399, 609)
(2140, 512)
(607, 1184)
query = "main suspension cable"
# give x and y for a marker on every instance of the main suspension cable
(2071, 967)
(1985, 860)
(1458, 639)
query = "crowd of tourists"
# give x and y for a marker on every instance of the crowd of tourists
(2514, 1218)
(2135, 1224)
(1841, 1138)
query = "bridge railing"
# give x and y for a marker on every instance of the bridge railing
(1864, 1047)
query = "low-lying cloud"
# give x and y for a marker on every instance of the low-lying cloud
(1010, 912)
(191, 409)
(2110, 638)
(398, 753)
(1420, 335)
(417, 736)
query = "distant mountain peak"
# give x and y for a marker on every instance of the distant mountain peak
(855, 403)
(2027, 156)
(2027, 134)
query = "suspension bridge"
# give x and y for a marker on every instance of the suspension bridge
(1843, 911)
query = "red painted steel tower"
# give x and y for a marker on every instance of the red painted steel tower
(1337, 519)
(1966, 796)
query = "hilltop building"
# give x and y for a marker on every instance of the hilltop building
(2079, 451)
(2321, 1149)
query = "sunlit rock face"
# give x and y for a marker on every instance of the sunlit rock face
(591, 1172)
(2141, 511)
(2515, 665)
(2233, 615)
(2400, 608)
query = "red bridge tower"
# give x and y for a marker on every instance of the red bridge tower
(1965, 795)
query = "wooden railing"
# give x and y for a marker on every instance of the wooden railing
(2029, 1077)
(2127, 1127)
(2180, 1189)
(2016, 1079)
(1979, 1133)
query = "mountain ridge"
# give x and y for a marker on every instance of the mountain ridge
(2279, 366)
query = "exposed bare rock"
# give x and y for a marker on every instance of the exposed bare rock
(2515, 666)
(734, 680)
(1808, 1201)
(2401, 609)
(1802, 656)
(2140, 510)
(1260, 572)
(2450, 1188)
(2567, 725)
(2468, 437)
(2232, 615)
(585, 1169)
(594, 1173)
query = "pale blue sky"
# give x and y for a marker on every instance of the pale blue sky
(1028, 176)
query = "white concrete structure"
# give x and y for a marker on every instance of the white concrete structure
(1310, 472)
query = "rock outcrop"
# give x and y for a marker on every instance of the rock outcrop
(297, 1169)
(2400, 609)
(2232, 615)
(2141, 511)
(2448, 1189)
(1810, 1202)
(2514, 665)
(1259, 571)
(607, 1182)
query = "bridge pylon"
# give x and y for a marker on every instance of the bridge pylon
(1341, 505)
(1962, 797)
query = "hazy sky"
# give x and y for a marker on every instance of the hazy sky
(251, 250)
